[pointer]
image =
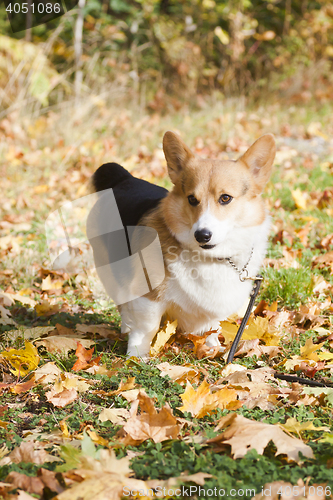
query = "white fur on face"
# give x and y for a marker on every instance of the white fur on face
(219, 229)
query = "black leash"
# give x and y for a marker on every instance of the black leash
(301, 380)
(255, 290)
(289, 378)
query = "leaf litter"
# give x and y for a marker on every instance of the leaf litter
(105, 413)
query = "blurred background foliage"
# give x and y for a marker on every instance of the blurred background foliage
(165, 52)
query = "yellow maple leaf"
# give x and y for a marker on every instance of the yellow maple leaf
(229, 330)
(299, 198)
(226, 398)
(22, 361)
(46, 309)
(258, 328)
(308, 350)
(198, 402)
(325, 356)
(162, 337)
(292, 425)
(201, 401)
(48, 284)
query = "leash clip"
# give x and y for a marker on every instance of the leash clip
(253, 278)
(244, 275)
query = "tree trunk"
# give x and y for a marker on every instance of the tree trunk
(78, 49)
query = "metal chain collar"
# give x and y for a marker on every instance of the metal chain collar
(242, 273)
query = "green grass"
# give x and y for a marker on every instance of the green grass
(289, 287)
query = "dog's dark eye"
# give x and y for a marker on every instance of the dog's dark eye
(225, 199)
(193, 201)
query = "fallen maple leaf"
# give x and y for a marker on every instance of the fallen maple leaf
(61, 398)
(202, 401)
(130, 395)
(117, 416)
(244, 435)
(292, 425)
(24, 386)
(318, 391)
(257, 328)
(124, 386)
(29, 452)
(325, 356)
(29, 333)
(157, 425)
(22, 361)
(84, 358)
(11, 297)
(48, 284)
(238, 373)
(63, 345)
(5, 317)
(300, 198)
(20, 387)
(95, 437)
(198, 402)
(162, 338)
(201, 350)
(308, 350)
(179, 374)
(101, 486)
(98, 475)
(46, 309)
(104, 331)
(99, 370)
(47, 373)
(36, 485)
(66, 389)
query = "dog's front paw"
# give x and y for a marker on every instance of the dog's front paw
(213, 340)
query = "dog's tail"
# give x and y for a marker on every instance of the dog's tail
(108, 176)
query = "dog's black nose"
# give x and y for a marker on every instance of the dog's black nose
(203, 235)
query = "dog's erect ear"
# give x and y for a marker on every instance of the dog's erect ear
(176, 154)
(259, 158)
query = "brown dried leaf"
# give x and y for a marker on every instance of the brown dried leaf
(66, 389)
(244, 434)
(117, 416)
(47, 373)
(104, 331)
(63, 398)
(35, 485)
(157, 425)
(102, 486)
(63, 345)
(31, 452)
(179, 374)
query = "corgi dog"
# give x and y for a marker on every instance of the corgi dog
(212, 228)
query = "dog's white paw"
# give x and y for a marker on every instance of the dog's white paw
(213, 340)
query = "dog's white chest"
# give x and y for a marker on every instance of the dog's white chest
(204, 290)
